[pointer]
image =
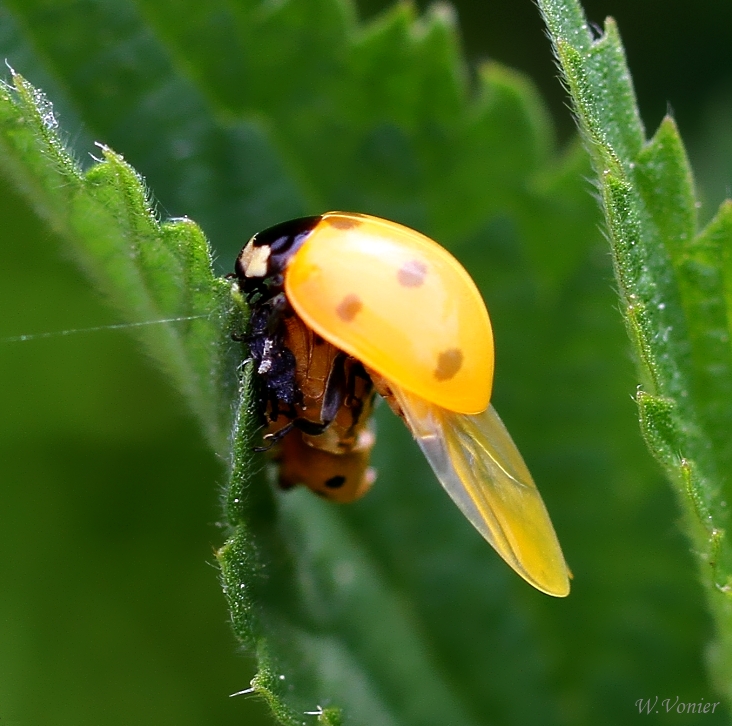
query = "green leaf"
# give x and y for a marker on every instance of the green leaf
(227, 177)
(673, 282)
(391, 610)
(151, 271)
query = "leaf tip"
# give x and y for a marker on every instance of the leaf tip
(444, 13)
(611, 27)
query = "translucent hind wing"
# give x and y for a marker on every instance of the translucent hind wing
(481, 469)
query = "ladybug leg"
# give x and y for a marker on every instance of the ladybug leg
(336, 390)
(356, 402)
(356, 371)
(311, 428)
(278, 308)
(274, 438)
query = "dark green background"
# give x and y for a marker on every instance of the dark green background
(680, 55)
(110, 608)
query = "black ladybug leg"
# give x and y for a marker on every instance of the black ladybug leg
(273, 438)
(356, 371)
(333, 398)
(278, 309)
(335, 389)
(311, 428)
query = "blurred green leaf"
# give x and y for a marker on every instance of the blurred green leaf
(673, 282)
(392, 610)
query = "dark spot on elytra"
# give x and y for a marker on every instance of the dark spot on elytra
(349, 307)
(335, 482)
(412, 273)
(449, 363)
(343, 222)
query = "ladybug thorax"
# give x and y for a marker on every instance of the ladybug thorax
(261, 265)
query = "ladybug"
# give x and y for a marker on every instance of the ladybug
(345, 305)
(316, 401)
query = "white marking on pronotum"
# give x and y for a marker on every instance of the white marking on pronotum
(117, 326)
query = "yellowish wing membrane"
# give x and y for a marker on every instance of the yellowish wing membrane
(481, 469)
